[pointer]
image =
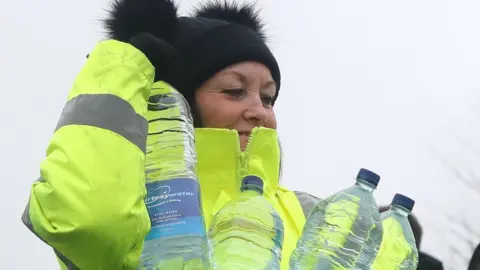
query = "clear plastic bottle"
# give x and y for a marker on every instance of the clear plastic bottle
(177, 239)
(247, 233)
(343, 231)
(398, 250)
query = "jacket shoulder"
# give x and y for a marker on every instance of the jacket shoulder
(307, 201)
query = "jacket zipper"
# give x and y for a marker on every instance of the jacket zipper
(243, 157)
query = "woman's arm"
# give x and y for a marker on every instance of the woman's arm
(88, 202)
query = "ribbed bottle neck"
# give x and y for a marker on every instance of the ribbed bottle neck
(400, 210)
(365, 185)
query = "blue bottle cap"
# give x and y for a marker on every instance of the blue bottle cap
(252, 182)
(368, 176)
(403, 201)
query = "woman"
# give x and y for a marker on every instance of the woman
(88, 204)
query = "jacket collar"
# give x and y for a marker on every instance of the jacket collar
(222, 165)
(219, 155)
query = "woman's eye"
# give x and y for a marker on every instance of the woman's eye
(234, 92)
(267, 100)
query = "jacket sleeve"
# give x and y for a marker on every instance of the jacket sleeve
(88, 202)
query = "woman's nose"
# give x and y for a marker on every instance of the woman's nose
(255, 111)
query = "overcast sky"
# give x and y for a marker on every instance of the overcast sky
(392, 86)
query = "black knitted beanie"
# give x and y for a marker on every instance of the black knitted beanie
(216, 35)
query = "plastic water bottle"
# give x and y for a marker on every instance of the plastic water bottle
(247, 233)
(398, 250)
(343, 231)
(177, 239)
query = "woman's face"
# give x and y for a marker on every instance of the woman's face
(238, 97)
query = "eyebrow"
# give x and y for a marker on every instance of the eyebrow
(271, 82)
(243, 78)
(237, 74)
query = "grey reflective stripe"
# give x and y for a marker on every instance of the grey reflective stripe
(67, 262)
(26, 216)
(28, 222)
(307, 202)
(108, 112)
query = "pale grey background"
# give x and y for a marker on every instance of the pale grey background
(387, 85)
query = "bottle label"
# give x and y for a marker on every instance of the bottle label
(174, 208)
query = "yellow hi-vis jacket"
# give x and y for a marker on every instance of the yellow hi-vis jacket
(88, 203)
